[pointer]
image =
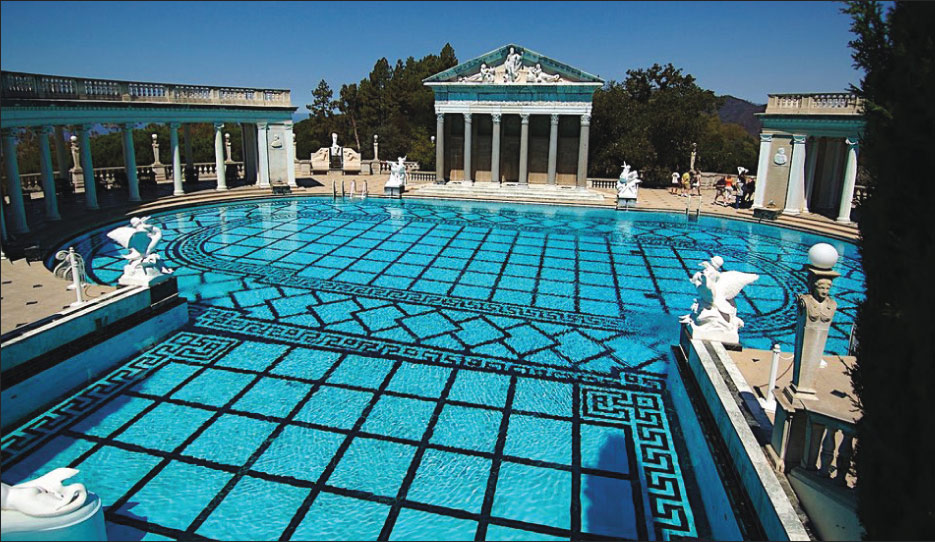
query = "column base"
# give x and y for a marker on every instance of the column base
(791, 212)
(178, 193)
(843, 220)
(222, 189)
(135, 199)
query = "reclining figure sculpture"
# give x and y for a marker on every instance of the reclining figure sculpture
(45, 496)
(141, 238)
(713, 316)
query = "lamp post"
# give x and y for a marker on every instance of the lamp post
(156, 162)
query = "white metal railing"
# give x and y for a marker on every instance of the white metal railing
(29, 86)
(839, 103)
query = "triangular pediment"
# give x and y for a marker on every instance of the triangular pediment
(513, 64)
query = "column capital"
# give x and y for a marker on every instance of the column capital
(524, 118)
(262, 125)
(496, 117)
(128, 126)
(467, 117)
(798, 139)
(46, 130)
(174, 125)
(852, 142)
(766, 138)
(554, 118)
(8, 132)
(585, 120)
(86, 128)
(218, 125)
(440, 117)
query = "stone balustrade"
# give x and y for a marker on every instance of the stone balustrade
(109, 178)
(410, 166)
(422, 176)
(829, 448)
(29, 86)
(813, 104)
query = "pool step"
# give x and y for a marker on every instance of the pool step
(510, 192)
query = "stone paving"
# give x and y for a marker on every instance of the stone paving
(31, 292)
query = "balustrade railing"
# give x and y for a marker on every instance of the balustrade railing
(602, 183)
(29, 86)
(829, 448)
(422, 176)
(410, 166)
(109, 178)
(839, 103)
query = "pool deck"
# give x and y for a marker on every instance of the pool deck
(31, 292)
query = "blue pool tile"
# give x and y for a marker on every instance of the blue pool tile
(273, 397)
(399, 417)
(113, 414)
(214, 387)
(229, 522)
(607, 507)
(517, 283)
(419, 525)
(333, 517)
(533, 494)
(450, 480)
(480, 388)
(306, 363)
(604, 448)
(111, 472)
(431, 287)
(547, 397)
(423, 380)
(300, 453)
(334, 407)
(512, 296)
(397, 282)
(499, 532)
(477, 279)
(116, 531)
(59, 452)
(165, 427)
(252, 356)
(519, 270)
(171, 499)
(467, 428)
(363, 372)
(472, 292)
(373, 466)
(218, 442)
(163, 380)
(539, 438)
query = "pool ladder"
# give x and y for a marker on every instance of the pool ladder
(688, 207)
(334, 189)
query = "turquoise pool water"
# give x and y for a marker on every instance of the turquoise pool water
(410, 370)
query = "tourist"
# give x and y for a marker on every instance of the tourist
(728, 190)
(719, 189)
(686, 184)
(741, 187)
(674, 187)
(749, 188)
(696, 183)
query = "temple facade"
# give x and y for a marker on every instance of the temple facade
(513, 116)
(808, 154)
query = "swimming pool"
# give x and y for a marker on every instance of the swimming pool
(404, 370)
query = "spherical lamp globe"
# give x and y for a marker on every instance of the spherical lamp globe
(822, 256)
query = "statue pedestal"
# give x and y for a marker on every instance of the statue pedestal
(142, 277)
(85, 523)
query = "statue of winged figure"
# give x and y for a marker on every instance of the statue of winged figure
(714, 313)
(140, 238)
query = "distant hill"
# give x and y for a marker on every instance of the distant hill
(741, 112)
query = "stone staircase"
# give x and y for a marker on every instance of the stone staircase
(513, 192)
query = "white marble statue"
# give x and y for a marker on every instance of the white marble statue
(335, 148)
(141, 238)
(397, 173)
(45, 496)
(535, 75)
(714, 313)
(512, 65)
(487, 73)
(628, 183)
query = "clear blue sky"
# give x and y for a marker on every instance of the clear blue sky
(747, 49)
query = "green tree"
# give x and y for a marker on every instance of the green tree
(896, 354)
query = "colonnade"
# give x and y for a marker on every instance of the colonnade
(582, 164)
(256, 162)
(803, 175)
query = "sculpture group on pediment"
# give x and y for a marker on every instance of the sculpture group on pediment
(511, 71)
